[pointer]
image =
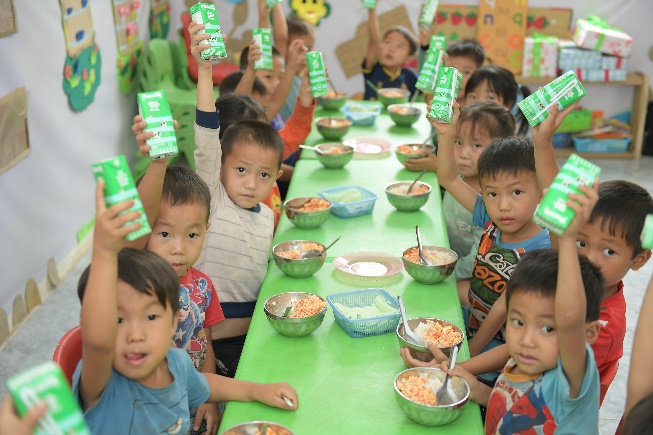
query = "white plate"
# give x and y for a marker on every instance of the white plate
(368, 264)
(369, 147)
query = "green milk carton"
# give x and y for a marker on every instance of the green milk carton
(553, 212)
(263, 38)
(118, 187)
(564, 90)
(207, 14)
(316, 73)
(433, 61)
(272, 3)
(446, 90)
(438, 41)
(46, 383)
(369, 4)
(154, 108)
(428, 14)
(647, 233)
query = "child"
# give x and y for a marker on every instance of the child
(129, 379)
(301, 29)
(383, 63)
(505, 209)
(494, 83)
(240, 171)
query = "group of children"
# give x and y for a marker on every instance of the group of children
(545, 326)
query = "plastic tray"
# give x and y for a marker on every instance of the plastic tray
(362, 114)
(350, 209)
(560, 140)
(358, 328)
(590, 145)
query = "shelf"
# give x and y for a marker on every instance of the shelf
(632, 79)
(566, 152)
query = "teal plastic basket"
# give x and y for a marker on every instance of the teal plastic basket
(591, 145)
(358, 328)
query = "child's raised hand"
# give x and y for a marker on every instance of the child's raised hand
(305, 91)
(445, 129)
(582, 203)
(439, 357)
(543, 132)
(254, 54)
(197, 44)
(11, 423)
(138, 128)
(296, 53)
(110, 224)
(273, 395)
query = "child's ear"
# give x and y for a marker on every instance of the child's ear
(592, 331)
(641, 259)
(280, 172)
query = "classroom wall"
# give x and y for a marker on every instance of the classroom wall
(46, 198)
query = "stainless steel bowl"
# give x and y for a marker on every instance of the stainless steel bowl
(407, 202)
(334, 161)
(388, 96)
(306, 220)
(275, 307)
(430, 274)
(333, 101)
(254, 427)
(432, 415)
(297, 268)
(422, 353)
(333, 127)
(404, 115)
(419, 151)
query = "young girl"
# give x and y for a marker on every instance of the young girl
(494, 83)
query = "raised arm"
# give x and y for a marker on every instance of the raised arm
(296, 51)
(300, 123)
(246, 83)
(205, 101)
(374, 40)
(279, 24)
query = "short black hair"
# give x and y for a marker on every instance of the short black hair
(230, 82)
(412, 41)
(537, 272)
(252, 132)
(147, 273)
(181, 186)
(467, 47)
(236, 107)
(299, 27)
(623, 206)
(640, 417)
(245, 54)
(489, 117)
(512, 155)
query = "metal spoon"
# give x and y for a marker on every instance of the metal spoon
(419, 249)
(445, 394)
(314, 253)
(409, 335)
(316, 149)
(427, 139)
(416, 180)
(413, 97)
(371, 85)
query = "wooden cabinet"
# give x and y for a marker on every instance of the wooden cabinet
(640, 82)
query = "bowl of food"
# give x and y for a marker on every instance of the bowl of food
(334, 155)
(443, 262)
(445, 334)
(295, 314)
(364, 114)
(307, 212)
(258, 428)
(288, 258)
(388, 96)
(404, 115)
(333, 100)
(413, 151)
(415, 391)
(333, 127)
(398, 196)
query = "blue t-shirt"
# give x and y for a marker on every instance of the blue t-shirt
(495, 262)
(127, 407)
(289, 105)
(405, 79)
(541, 404)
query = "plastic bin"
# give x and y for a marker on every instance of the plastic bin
(561, 140)
(345, 210)
(358, 328)
(591, 145)
(361, 113)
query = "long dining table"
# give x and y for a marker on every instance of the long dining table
(346, 385)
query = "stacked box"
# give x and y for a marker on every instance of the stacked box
(540, 56)
(570, 56)
(594, 34)
(553, 212)
(207, 14)
(316, 73)
(154, 108)
(46, 383)
(613, 62)
(118, 187)
(428, 14)
(647, 233)
(263, 38)
(438, 41)
(433, 61)
(601, 75)
(446, 90)
(564, 90)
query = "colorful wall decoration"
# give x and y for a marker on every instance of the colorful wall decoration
(502, 21)
(14, 143)
(7, 18)
(312, 11)
(130, 45)
(159, 19)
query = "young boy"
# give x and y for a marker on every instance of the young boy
(551, 382)
(130, 380)
(240, 171)
(383, 63)
(298, 29)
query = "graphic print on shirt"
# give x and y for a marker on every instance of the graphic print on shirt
(190, 333)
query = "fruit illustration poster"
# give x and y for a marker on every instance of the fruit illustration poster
(130, 45)
(501, 31)
(456, 22)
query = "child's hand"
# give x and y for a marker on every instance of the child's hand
(543, 132)
(421, 163)
(296, 54)
(582, 203)
(254, 54)
(475, 386)
(439, 357)
(110, 225)
(210, 413)
(445, 129)
(198, 44)
(425, 35)
(273, 395)
(305, 92)
(138, 128)
(11, 423)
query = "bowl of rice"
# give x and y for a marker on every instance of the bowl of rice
(413, 151)
(397, 194)
(258, 428)
(333, 100)
(444, 334)
(287, 257)
(295, 314)
(307, 212)
(443, 260)
(404, 115)
(333, 127)
(388, 96)
(415, 390)
(334, 155)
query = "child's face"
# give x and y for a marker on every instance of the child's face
(530, 333)
(272, 77)
(483, 93)
(178, 234)
(511, 200)
(144, 335)
(468, 147)
(395, 50)
(466, 66)
(248, 173)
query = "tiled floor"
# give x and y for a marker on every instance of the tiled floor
(36, 339)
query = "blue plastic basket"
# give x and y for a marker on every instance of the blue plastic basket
(362, 113)
(345, 210)
(357, 328)
(591, 145)
(561, 140)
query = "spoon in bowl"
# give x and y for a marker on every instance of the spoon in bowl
(410, 188)
(422, 257)
(316, 149)
(314, 253)
(445, 394)
(409, 335)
